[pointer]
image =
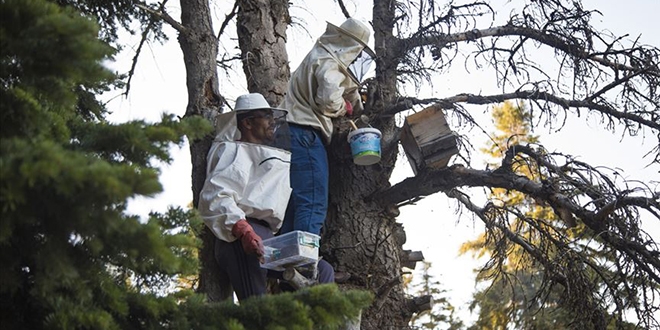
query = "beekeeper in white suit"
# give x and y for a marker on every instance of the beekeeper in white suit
(324, 86)
(246, 191)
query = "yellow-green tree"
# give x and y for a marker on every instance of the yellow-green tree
(510, 299)
(516, 296)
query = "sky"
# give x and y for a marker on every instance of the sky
(432, 225)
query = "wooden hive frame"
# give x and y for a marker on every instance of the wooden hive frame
(427, 140)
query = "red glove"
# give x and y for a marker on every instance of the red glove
(349, 108)
(249, 239)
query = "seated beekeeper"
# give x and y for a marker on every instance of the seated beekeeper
(246, 192)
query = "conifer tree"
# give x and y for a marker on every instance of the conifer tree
(515, 295)
(547, 52)
(71, 256)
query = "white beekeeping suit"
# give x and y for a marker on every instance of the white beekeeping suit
(243, 180)
(329, 75)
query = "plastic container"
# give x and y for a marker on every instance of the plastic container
(365, 145)
(296, 248)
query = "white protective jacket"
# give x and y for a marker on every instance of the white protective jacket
(319, 86)
(243, 180)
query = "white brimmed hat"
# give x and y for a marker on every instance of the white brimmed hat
(256, 101)
(358, 31)
(226, 123)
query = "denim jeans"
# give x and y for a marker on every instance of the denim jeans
(309, 181)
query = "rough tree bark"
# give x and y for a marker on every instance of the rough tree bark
(200, 51)
(261, 27)
(362, 239)
(360, 236)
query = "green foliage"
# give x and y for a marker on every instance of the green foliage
(46, 53)
(116, 15)
(71, 257)
(512, 298)
(319, 307)
(136, 142)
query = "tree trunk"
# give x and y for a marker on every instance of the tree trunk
(200, 51)
(360, 236)
(261, 27)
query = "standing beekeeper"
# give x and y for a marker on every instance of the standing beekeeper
(246, 192)
(324, 86)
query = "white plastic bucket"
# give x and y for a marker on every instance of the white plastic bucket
(365, 145)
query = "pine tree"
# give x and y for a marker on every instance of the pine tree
(546, 51)
(515, 296)
(71, 257)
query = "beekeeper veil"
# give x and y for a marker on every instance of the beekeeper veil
(253, 105)
(348, 43)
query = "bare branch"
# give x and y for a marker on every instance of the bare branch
(225, 61)
(531, 249)
(228, 19)
(343, 8)
(162, 14)
(138, 51)
(406, 103)
(510, 30)
(533, 95)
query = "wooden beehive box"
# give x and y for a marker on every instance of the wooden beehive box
(427, 140)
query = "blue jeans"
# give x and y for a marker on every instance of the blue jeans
(309, 181)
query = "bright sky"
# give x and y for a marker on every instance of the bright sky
(431, 225)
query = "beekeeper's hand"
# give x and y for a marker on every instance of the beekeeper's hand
(349, 108)
(251, 242)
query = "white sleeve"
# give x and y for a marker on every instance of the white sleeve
(329, 93)
(227, 177)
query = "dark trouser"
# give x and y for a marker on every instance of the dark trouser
(244, 271)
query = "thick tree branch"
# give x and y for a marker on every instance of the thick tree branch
(528, 95)
(625, 201)
(610, 227)
(406, 103)
(511, 30)
(430, 182)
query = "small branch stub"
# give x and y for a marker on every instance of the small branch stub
(409, 258)
(420, 304)
(297, 280)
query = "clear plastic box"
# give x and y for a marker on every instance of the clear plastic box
(296, 248)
